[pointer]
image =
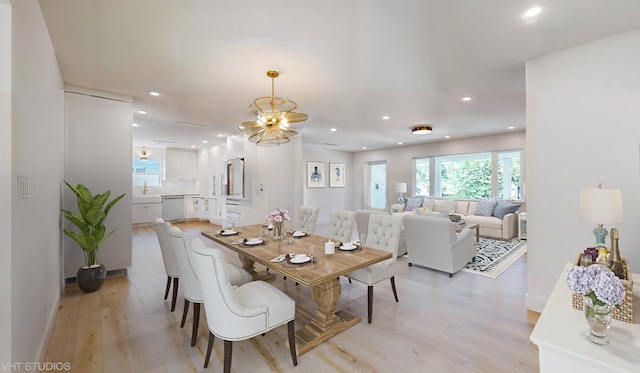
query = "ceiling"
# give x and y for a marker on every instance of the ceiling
(345, 63)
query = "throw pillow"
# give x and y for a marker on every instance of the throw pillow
(503, 208)
(485, 207)
(413, 203)
(427, 203)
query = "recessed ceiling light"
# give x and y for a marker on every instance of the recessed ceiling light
(220, 135)
(385, 117)
(141, 112)
(510, 127)
(364, 148)
(466, 98)
(399, 142)
(333, 130)
(446, 137)
(532, 12)
(204, 141)
(193, 146)
(421, 130)
(135, 124)
(152, 93)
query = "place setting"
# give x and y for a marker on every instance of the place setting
(249, 242)
(295, 260)
(227, 232)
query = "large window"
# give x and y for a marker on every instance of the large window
(469, 176)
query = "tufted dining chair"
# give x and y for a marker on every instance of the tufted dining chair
(236, 314)
(341, 223)
(190, 285)
(362, 220)
(383, 233)
(306, 219)
(170, 264)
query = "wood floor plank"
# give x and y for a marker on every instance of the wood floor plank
(467, 323)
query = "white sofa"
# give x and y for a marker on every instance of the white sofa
(505, 227)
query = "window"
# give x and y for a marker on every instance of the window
(376, 191)
(422, 168)
(148, 171)
(470, 176)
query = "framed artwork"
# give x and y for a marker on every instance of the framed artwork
(336, 175)
(315, 175)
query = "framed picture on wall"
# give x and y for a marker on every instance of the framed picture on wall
(315, 175)
(336, 175)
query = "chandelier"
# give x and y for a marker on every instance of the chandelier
(274, 116)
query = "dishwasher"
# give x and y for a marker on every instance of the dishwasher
(173, 208)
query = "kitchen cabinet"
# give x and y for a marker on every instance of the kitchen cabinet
(181, 164)
(191, 204)
(145, 212)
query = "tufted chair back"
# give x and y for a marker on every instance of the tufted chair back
(341, 224)
(362, 220)
(170, 264)
(190, 284)
(384, 233)
(307, 217)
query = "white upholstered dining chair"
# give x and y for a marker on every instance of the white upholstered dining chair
(383, 233)
(190, 285)
(362, 220)
(236, 314)
(170, 264)
(306, 219)
(341, 223)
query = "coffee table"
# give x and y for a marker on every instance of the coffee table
(475, 226)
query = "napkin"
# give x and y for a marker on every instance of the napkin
(279, 258)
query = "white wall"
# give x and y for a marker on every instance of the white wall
(327, 198)
(98, 155)
(37, 152)
(399, 160)
(5, 182)
(583, 116)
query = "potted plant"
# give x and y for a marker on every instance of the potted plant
(93, 211)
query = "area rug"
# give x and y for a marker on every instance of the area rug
(494, 256)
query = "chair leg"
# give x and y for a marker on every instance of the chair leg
(196, 321)
(209, 348)
(370, 302)
(450, 275)
(166, 292)
(184, 313)
(292, 343)
(393, 287)
(228, 347)
(175, 294)
(349, 278)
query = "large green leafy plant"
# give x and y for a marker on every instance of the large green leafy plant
(93, 211)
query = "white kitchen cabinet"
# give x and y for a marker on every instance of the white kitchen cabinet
(191, 206)
(145, 212)
(181, 164)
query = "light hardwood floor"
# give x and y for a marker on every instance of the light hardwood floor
(467, 323)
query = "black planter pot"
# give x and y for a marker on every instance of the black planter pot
(91, 278)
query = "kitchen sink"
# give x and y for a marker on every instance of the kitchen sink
(147, 198)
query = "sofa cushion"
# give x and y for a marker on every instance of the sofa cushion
(485, 207)
(486, 222)
(472, 208)
(424, 212)
(413, 203)
(428, 203)
(448, 206)
(462, 207)
(503, 208)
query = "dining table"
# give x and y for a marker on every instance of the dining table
(254, 244)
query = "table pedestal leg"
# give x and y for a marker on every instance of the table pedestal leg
(249, 266)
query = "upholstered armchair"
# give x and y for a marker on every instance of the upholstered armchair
(341, 223)
(236, 314)
(432, 242)
(170, 264)
(306, 219)
(384, 233)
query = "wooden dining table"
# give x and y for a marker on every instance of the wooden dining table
(321, 276)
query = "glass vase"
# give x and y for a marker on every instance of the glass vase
(599, 320)
(278, 229)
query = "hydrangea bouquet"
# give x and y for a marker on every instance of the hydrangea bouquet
(598, 283)
(278, 216)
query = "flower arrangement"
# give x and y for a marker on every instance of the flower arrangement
(278, 216)
(598, 283)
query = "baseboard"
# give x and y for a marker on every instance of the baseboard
(51, 320)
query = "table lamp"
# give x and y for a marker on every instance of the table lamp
(401, 188)
(603, 206)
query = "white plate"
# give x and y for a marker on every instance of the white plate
(228, 233)
(299, 234)
(347, 247)
(253, 241)
(300, 259)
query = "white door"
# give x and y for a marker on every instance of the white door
(376, 192)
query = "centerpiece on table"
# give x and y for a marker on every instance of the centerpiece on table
(277, 219)
(601, 291)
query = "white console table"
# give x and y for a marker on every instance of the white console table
(562, 343)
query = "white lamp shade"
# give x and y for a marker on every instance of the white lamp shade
(401, 187)
(601, 206)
